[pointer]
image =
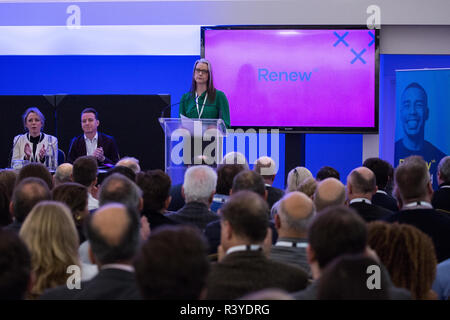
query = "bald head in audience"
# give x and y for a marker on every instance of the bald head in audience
(63, 174)
(113, 232)
(295, 211)
(329, 192)
(361, 183)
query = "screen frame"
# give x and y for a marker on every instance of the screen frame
(283, 129)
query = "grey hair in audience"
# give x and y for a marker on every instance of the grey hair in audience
(444, 169)
(118, 188)
(296, 177)
(130, 162)
(199, 183)
(292, 222)
(63, 173)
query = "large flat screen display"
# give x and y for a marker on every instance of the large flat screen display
(296, 79)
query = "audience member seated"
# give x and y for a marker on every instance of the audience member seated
(361, 186)
(225, 176)
(296, 177)
(441, 284)
(50, 235)
(85, 173)
(347, 278)
(266, 167)
(36, 170)
(412, 180)
(5, 214)
(127, 172)
(63, 174)
(173, 265)
(27, 194)
(244, 180)
(15, 267)
(326, 172)
(336, 231)
(408, 255)
(75, 196)
(113, 233)
(244, 268)
(130, 162)
(329, 192)
(8, 180)
(268, 294)
(308, 187)
(441, 197)
(382, 170)
(235, 158)
(155, 186)
(198, 190)
(295, 212)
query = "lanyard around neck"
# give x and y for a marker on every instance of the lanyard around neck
(200, 112)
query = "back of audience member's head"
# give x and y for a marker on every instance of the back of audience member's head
(51, 237)
(130, 162)
(308, 187)
(250, 181)
(346, 278)
(173, 264)
(246, 213)
(127, 172)
(296, 177)
(199, 184)
(27, 194)
(268, 294)
(327, 172)
(382, 170)
(412, 179)
(15, 266)
(36, 170)
(295, 213)
(8, 180)
(266, 167)
(361, 182)
(408, 255)
(335, 231)
(225, 176)
(63, 174)
(113, 233)
(329, 192)
(120, 189)
(85, 170)
(5, 215)
(155, 186)
(235, 158)
(444, 170)
(75, 196)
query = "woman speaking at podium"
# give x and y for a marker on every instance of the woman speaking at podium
(204, 101)
(34, 145)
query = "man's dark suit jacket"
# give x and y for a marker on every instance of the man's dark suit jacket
(273, 195)
(108, 284)
(177, 201)
(385, 201)
(157, 219)
(435, 224)
(110, 150)
(194, 213)
(441, 198)
(214, 229)
(370, 212)
(243, 272)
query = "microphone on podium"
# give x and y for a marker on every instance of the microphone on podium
(169, 106)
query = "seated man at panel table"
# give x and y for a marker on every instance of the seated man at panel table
(92, 142)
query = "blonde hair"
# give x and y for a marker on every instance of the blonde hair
(296, 177)
(51, 237)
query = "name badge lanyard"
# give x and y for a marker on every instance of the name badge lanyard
(200, 112)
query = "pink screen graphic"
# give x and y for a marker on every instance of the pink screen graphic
(295, 78)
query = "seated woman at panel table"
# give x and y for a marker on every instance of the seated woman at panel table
(34, 145)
